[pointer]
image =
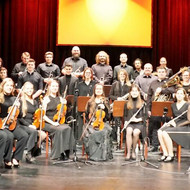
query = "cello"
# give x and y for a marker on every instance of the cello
(61, 110)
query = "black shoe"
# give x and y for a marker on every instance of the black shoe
(7, 166)
(63, 157)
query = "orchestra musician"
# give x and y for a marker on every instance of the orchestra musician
(97, 139)
(171, 130)
(63, 140)
(135, 127)
(7, 99)
(28, 108)
(119, 91)
(186, 82)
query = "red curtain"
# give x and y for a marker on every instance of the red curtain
(30, 25)
(27, 25)
(172, 32)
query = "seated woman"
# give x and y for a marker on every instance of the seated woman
(63, 140)
(7, 99)
(119, 91)
(171, 130)
(28, 108)
(135, 127)
(97, 138)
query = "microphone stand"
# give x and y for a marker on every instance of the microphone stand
(145, 138)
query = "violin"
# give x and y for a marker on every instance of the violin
(13, 112)
(61, 111)
(38, 116)
(12, 120)
(99, 123)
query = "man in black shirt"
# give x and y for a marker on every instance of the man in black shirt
(48, 69)
(19, 68)
(68, 80)
(32, 76)
(138, 68)
(78, 63)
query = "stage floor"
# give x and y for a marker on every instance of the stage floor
(98, 176)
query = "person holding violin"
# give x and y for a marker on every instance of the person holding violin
(172, 130)
(134, 125)
(63, 140)
(97, 135)
(28, 108)
(9, 122)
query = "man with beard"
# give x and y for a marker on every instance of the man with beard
(138, 68)
(102, 71)
(78, 64)
(123, 65)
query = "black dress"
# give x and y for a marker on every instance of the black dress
(178, 133)
(63, 139)
(98, 143)
(19, 134)
(28, 120)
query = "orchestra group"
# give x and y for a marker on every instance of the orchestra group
(34, 103)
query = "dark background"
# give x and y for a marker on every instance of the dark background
(30, 25)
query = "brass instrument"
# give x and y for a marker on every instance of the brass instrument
(173, 80)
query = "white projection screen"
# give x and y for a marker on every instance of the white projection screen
(105, 22)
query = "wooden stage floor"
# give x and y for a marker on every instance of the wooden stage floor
(44, 175)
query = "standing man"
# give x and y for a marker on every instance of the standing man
(78, 63)
(32, 76)
(102, 71)
(144, 80)
(19, 68)
(48, 70)
(138, 68)
(123, 65)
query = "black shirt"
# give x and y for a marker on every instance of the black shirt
(84, 89)
(19, 67)
(45, 70)
(35, 78)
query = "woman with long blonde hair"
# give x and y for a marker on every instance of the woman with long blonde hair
(7, 99)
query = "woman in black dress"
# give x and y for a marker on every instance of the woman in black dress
(171, 130)
(28, 108)
(135, 127)
(6, 100)
(63, 140)
(97, 138)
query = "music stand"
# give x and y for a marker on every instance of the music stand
(118, 111)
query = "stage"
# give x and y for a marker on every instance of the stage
(98, 175)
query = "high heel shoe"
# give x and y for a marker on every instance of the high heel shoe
(8, 165)
(163, 158)
(15, 163)
(169, 159)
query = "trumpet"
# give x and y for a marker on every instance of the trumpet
(77, 72)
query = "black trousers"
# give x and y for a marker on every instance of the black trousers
(21, 136)
(32, 139)
(6, 145)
